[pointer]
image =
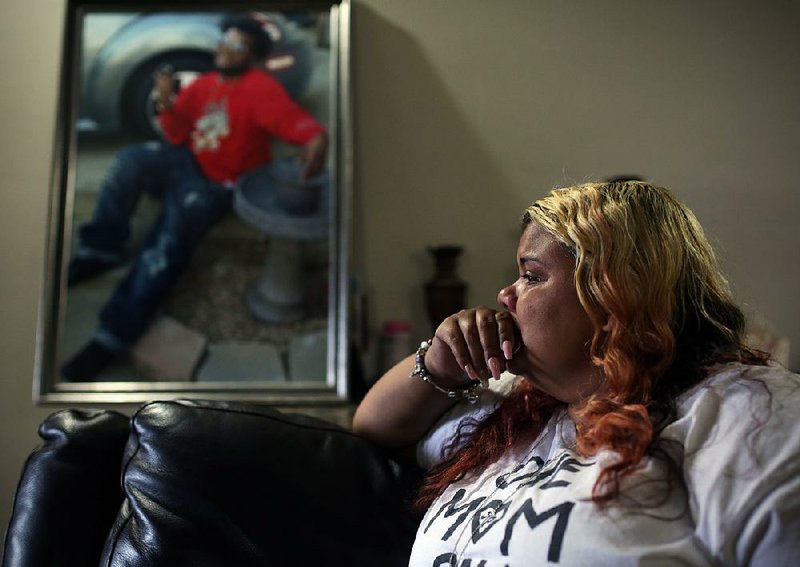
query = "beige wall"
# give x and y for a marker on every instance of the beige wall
(465, 111)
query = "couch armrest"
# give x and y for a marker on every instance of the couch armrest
(69, 493)
(220, 483)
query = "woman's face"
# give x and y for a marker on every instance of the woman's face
(554, 328)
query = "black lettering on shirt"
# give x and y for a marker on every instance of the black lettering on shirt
(486, 517)
(486, 514)
(564, 462)
(450, 560)
(445, 560)
(450, 508)
(502, 480)
(562, 512)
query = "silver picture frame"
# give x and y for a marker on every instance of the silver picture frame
(262, 314)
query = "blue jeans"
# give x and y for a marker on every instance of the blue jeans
(192, 204)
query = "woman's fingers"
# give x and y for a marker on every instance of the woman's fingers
(450, 333)
(506, 332)
(479, 340)
(468, 323)
(486, 320)
(480, 331)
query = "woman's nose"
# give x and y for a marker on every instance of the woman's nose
(507, 298)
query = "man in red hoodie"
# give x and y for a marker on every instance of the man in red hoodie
(216, 129)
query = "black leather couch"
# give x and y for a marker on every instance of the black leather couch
(199, 483)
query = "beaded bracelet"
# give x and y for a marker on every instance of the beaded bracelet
(469, 392)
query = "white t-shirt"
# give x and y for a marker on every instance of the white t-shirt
(738, 443)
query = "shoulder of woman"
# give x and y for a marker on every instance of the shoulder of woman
(743, 394)
(739, 407)
(740, 442)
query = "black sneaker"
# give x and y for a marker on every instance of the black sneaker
(82, 269)
(87, 364)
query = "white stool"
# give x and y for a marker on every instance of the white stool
(273, 200)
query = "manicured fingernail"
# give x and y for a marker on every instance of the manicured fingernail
(507, 350)
(494, 366)
(471, 373)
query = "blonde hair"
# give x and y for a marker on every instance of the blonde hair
(662, 312)
(644, 265)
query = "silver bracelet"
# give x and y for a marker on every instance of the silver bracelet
(469, 392)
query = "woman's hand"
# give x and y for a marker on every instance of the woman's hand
(476, 342)
(399, 409)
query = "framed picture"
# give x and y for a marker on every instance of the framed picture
(200, 204)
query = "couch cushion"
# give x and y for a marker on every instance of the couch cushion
(69, 493)
(224, 484)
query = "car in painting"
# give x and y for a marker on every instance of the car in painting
(121, 51)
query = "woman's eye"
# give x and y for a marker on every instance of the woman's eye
(530, 278)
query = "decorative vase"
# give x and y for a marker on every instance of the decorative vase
(446, 293)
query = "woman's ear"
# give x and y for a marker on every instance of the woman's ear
(609, 324)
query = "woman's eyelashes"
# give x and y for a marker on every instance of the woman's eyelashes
(531, 278)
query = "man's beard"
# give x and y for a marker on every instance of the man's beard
(233, 71)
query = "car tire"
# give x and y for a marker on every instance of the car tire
(138, 110)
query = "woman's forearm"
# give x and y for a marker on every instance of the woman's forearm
(399, 409)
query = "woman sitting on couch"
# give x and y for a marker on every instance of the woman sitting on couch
(625, 422)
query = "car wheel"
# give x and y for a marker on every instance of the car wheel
(139, 112)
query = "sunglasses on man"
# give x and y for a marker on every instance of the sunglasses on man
(235, 45)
